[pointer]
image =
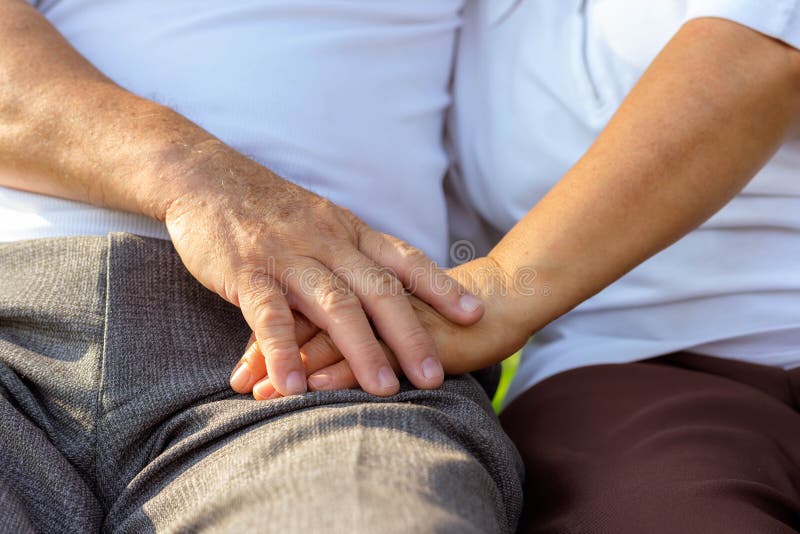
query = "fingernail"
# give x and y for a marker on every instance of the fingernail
(295, 383)
(386, 378)
(240, 378)
(431, 368)
(469, 303)
(263, 390)
(319, 381)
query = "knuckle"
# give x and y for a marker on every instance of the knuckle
(328, 248)
(311, 280)
(319, 352)
(252, 358)
(327, 234)
(352, 219)
(279, 350)
(268, 311)
(323, 344)
(338, 301)
(343, 377)
(384, 285)
(265, 302)
(359, 229)
(407, 251)
(302, 323)
(418, 341)
(368, 351)
(256, 280)
(335, 220)
(252, 352)
(412, 253)
(326, 227)
(328, 346)
(311, 351)
(281, 355)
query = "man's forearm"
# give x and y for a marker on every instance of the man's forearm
(68, 131)
(242, 231)
(706, 116)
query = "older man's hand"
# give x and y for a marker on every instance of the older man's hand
(254, 238)
(270, 247)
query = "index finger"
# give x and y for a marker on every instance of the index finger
(422, 276)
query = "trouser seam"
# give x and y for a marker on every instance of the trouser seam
(99, 376)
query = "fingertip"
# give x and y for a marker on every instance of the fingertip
(466, 310)
(432, 371)
(296, 383)
(388, 384)
(263, 390)
(454, 301)
(427, 374)
(320, 382)
(470, 304)
(285, 370)
(383, 384)
(241, 378)
(335, 377)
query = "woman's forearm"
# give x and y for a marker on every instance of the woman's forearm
(68, 131)
(707, 115)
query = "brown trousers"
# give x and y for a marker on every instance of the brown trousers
(683, 444)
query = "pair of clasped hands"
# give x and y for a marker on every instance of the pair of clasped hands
(331, 302)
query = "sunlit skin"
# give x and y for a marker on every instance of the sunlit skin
(245, 233)
(709, 112)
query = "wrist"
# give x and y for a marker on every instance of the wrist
(501, 331)
(510, 297)
(533, 291)
(177, 163)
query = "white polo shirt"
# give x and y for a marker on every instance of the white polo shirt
(346, 98)
(535, 83)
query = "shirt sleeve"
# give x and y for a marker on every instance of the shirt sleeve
(777, 18)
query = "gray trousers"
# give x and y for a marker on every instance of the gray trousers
(116, 416)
